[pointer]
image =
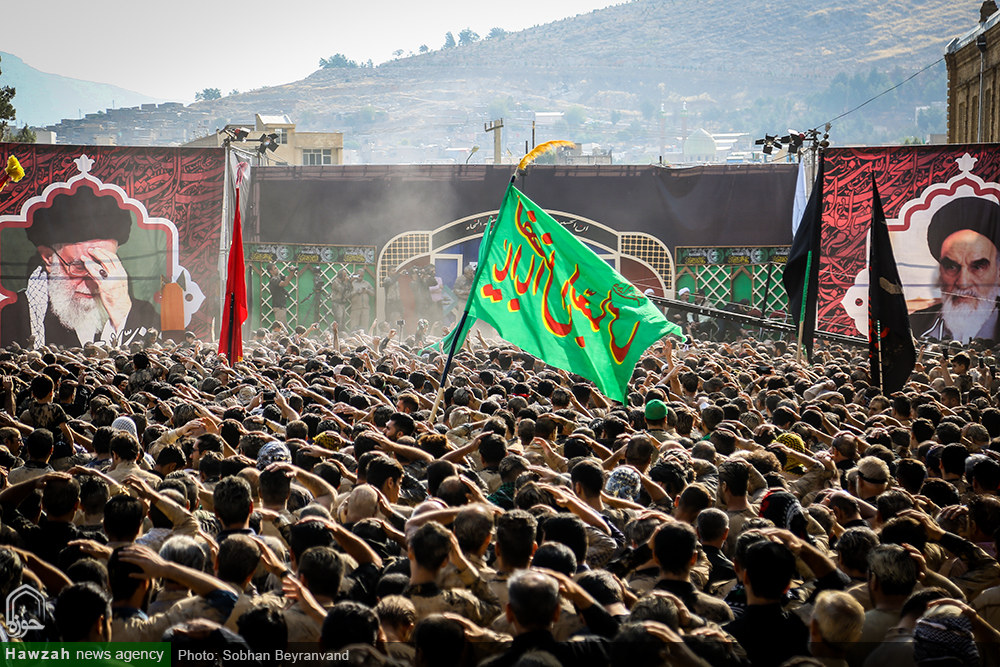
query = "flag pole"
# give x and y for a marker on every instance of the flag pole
(878, 352)
(465, 313)
(802, 314)
(232, 329)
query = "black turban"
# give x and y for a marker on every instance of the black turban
(975, 213)
(784, 511)
(81, 216)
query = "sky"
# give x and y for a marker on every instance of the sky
(171, 50)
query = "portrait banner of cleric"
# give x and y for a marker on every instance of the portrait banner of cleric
(77, 290)
(963, 236)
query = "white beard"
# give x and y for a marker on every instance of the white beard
(85, 316)
(965, 320)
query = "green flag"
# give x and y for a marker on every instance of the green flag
(546, 292)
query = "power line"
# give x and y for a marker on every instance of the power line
(884, 92)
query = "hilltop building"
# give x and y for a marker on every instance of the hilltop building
(165, 124)
(703, 147)
(311, 149)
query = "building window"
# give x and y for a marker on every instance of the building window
(282, 135)
(316, 156)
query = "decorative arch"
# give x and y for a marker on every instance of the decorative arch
(449, 247)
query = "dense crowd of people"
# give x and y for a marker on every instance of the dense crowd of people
(742, 508)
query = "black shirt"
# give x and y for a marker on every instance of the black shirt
(769, 634)
(581, 652)
(722, 567)
(47, 538)
(279, 298)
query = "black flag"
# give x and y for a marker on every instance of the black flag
(891, 354)
(801, 274)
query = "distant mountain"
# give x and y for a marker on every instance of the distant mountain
(636, 77)
(752, 66)
(43, 99)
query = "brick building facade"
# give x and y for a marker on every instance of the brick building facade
(973, 62)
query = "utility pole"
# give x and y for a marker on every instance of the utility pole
(495, 126)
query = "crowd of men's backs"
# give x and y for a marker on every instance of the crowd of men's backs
(741, 509)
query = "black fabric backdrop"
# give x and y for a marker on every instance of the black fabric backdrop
(721, 205)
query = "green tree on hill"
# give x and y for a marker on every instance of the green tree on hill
(575, 116)
(337, 60)
(23, 136)
(467, 36)
(7, 111)
(208, 94)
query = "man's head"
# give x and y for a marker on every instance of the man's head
(186, 551)
(321, 570)
(588, 478)
(78, 237)
(515, 541)
(474, 529)
(39, 444)
(83, 613)
(123, 517)
(275, 487)
(675, 548)
(873, 477)
(237, 559)
(399, 424)
(853, 549)
(712, 526)
(836, 620)
(233, 502)
(639, 452)
(125, 447)
(962, 237)
(892, 572)
(42, 387)
(534, 600)
(844, 446)
(734, 477)
(61, 499)
(768, 568)
(655, 413)
(430, 545)
(349, 622)
(385, 474)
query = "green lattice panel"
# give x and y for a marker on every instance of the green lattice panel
(777, 300)
(308, 294)
(715, 282)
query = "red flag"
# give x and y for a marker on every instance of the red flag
(234, 307)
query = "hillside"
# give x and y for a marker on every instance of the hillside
(636, 77)
(723, 47)
(44, 98)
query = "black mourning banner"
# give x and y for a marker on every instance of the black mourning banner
(714, 205)
(891, 353)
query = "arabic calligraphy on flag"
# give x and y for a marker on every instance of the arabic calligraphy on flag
(545, 291)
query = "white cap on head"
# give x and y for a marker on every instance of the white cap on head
(125, 424)
(684, 291)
